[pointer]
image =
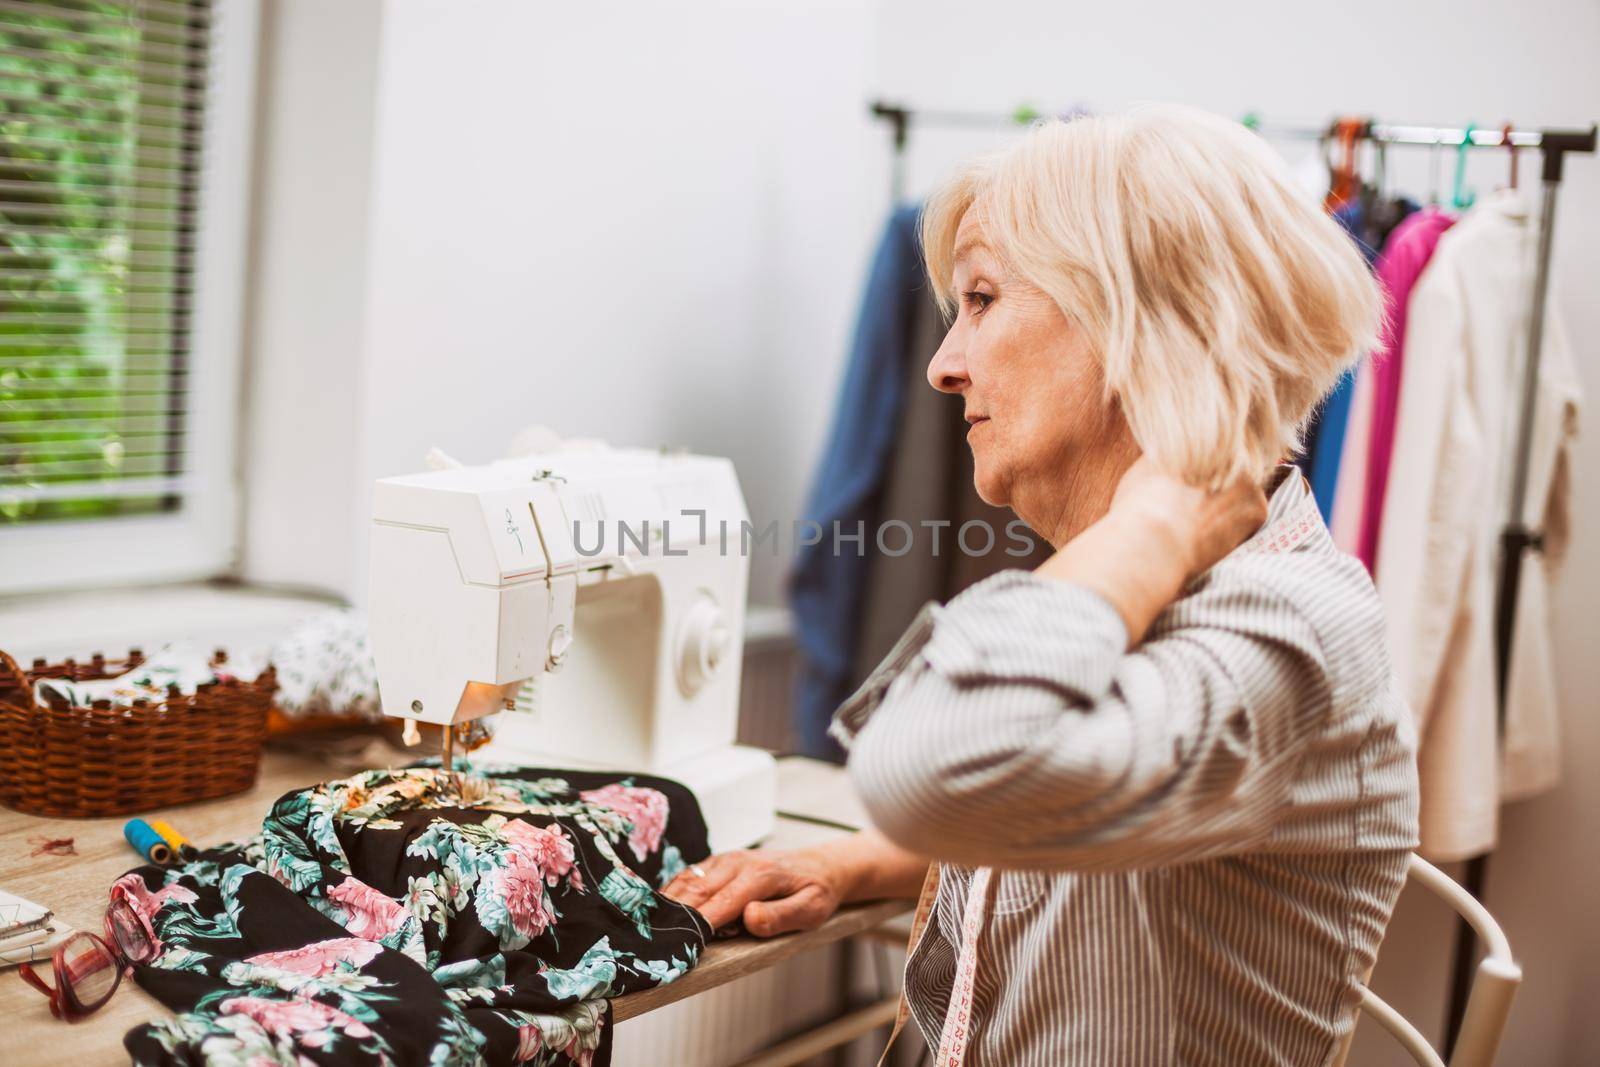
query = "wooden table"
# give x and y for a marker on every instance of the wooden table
(75, 888)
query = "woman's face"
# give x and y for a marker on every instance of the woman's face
(1040, 430)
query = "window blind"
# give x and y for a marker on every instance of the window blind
(102, 109)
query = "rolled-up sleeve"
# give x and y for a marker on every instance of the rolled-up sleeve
(1013, 727)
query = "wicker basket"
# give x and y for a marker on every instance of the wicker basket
(71, 762)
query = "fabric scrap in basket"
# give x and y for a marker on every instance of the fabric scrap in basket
(182, 664)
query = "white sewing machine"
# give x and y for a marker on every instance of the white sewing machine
(612, 581)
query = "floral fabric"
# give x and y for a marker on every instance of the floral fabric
(392, 918)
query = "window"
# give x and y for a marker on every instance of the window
(121, 202)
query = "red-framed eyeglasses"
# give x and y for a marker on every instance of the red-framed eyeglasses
(88, 968)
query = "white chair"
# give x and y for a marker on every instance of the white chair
(1493, 987)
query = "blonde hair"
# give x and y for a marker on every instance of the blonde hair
(1222, 301)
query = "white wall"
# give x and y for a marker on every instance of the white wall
(638, 225)
(304, 374)
(652, 225)
(1422, 62)
(648, 226)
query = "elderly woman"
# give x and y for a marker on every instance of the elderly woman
(1164, 781)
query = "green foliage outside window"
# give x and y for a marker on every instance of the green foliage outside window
(98, 128)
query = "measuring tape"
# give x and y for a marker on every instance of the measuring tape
(958, 1016)
(957, 1030)
(1291, 529)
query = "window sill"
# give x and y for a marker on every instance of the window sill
(243, 620)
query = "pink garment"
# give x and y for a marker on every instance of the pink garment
(1350, 492)
(1405, 254)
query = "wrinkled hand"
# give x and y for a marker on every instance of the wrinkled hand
(774, 891)
(1159, 533)
(1203, 525)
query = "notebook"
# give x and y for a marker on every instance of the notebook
(18, 916)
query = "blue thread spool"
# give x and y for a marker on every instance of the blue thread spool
(146, 842)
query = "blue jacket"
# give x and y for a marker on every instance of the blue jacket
(825, 587)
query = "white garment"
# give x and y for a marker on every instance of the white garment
(324, 667)
(1448, 492)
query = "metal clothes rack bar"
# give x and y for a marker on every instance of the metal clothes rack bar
(1430, 136)
(900, 119)
(1516, 537)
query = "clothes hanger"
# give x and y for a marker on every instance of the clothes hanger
(1433, 170)
(1345, 183)
(1511, 149)
(1461, 197)
(1383, 209)
(1352, 135)
(1325, 150)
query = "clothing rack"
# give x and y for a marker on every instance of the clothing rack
(1516, 537)
(900, 118)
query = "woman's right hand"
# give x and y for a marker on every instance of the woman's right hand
(774, 891)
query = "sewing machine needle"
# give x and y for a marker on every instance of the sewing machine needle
(447, 761)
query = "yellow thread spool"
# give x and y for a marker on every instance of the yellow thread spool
(181, 846)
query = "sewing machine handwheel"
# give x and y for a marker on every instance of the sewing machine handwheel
(702, 643)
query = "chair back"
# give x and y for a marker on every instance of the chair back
(1494, 985)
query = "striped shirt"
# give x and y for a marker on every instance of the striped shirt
(1196, 843)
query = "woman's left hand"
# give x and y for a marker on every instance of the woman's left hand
(1203, 525)
(1158, 534)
